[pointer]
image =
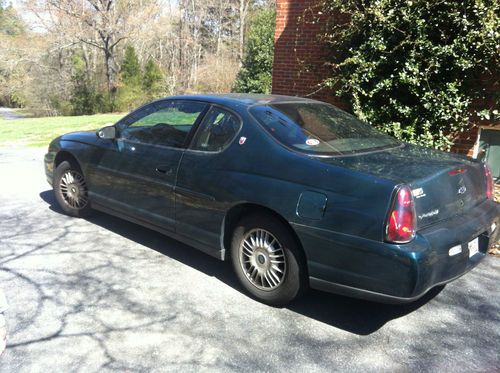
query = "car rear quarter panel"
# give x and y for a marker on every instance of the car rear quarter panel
(266, 172)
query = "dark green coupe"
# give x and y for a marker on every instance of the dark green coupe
(294, 192)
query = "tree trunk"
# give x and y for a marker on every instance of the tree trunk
(219, 31)
(242, 15)
(111, 71)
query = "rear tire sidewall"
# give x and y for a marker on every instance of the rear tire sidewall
(69, 210)
(294, 282)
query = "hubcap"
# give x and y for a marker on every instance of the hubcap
(73, 189)
(262, 259)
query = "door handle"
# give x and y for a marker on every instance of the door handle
(164, 170)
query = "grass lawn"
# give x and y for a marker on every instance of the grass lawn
(40, 131)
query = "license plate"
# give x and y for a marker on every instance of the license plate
(473, 247)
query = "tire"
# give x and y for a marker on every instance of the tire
(272, 270)
(71, 191)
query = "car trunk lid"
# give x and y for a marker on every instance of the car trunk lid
(443, 184)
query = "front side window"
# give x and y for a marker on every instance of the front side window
(218, 129)
(163, 123)
(318, 128)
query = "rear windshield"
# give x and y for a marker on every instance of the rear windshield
(318, 128)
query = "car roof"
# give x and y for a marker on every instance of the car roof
(242, 99)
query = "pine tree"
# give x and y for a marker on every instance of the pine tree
(130, 93)
(255, 75)
(130, 70)
(151, 82)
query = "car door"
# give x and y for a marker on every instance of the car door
(136, 172)
(201, 179)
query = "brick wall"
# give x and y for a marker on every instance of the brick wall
(299, 56)
(299, 59)
(465, 142)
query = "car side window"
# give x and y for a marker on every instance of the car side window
(164, 123)
(217, 130)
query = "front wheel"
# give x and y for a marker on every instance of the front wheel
(71, 190)
(267, 260)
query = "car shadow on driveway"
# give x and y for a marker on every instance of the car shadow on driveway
(352, 315)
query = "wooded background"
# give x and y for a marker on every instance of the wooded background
(87, 56)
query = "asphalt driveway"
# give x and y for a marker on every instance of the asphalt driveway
(103, 294)
(8, 113)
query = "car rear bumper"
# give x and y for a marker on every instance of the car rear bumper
(393, 273)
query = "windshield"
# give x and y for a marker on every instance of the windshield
(318, 128)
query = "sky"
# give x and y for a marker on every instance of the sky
(28, 17)
(33, 22)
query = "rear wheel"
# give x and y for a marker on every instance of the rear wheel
(267, 260)
(71, 190)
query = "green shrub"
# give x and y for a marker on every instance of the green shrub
(128, 97)
(61, 106)
(413, 68)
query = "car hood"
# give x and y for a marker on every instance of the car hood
(80, 136)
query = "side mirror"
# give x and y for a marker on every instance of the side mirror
(108, 133)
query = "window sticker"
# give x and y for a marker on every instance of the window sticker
(312, 142)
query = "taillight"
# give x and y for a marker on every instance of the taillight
(489, 182)
(401, 222)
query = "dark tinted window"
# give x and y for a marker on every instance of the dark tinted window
(165, 123)
(218, 129)
(318, 128)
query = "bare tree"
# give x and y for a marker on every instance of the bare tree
(102, 24)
